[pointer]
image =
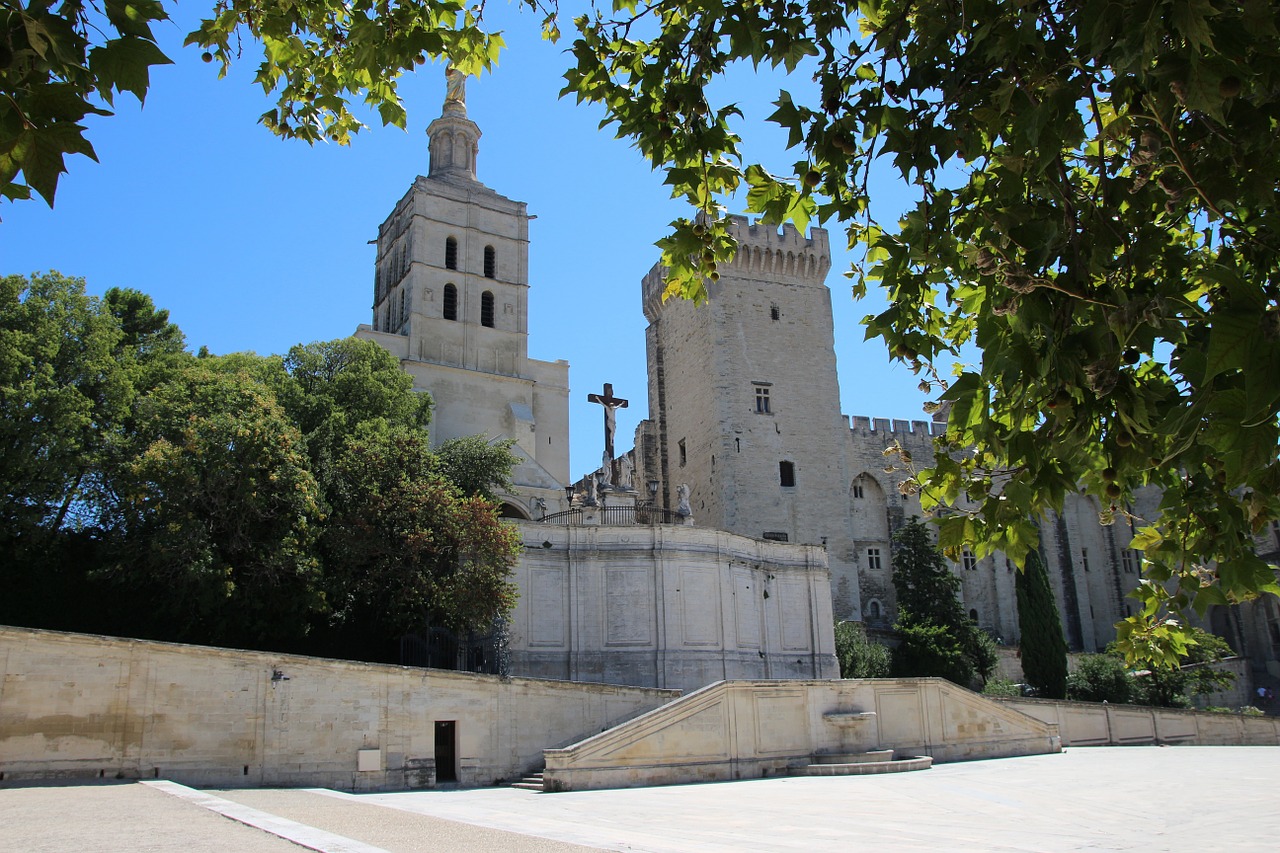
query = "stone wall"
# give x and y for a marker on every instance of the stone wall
(81, 706)
(1102, 724)
(750, 729)
(669, 606)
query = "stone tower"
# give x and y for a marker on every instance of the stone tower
(744, 401)
(450, 299)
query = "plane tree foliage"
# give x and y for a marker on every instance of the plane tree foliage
(1096, 214)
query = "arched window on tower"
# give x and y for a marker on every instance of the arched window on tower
(490, 262)
(486, 309)
(450, 254)
(404, 304)
(450, 302)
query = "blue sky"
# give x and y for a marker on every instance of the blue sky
(254, 243)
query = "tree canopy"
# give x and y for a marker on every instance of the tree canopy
(287, 503)
(1097, 186)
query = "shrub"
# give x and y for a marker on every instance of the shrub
(859, 657)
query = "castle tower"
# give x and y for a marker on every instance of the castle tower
(745, 403)
(450, 299)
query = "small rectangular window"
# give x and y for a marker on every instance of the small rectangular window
(774, 313)
(857, 491)
(762, 400)
(873, 559)
(1084, 558)
(969, 561)
(775, 536)
(684, 454)
(787, 474)
(1130, 560)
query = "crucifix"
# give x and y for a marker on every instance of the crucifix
(611, 405)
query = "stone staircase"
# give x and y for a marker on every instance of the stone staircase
(864, 763)
(532, 782)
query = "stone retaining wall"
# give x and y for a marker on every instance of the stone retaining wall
(1101, 724)
(81, 706)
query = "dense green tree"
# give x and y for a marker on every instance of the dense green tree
(476, 465)
(937, 637)
(211, 511)
(63, 392)
(1043, 648)
(1105, 678)
(1176, 688)
(1100, 678)
(147, 492)
(405, 549)
(859, 656)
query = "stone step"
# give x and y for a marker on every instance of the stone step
(854, 757)
(867, 768)
(529, 783)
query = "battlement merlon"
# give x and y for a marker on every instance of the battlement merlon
(764, 252)
(889, 430)
(749, 233)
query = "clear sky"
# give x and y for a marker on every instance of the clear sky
(254, 243)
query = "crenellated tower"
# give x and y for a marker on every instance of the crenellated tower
(744, 400)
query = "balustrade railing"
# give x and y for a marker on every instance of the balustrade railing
(617, 516)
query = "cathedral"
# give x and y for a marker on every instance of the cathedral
(751, 511)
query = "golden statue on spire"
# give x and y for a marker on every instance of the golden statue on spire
(455, 86)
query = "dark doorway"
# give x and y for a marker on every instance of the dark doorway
(446, 751)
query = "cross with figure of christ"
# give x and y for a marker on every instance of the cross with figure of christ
(611, 405)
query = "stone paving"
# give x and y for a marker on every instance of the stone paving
(1127, 798)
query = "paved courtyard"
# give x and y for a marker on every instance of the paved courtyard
(1135, 798)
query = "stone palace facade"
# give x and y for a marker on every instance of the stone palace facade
(787, 507)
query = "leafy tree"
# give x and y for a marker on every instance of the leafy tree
(1105, 678)
(404, 549)
(1175, 688)
(330, 388)
(211, 511)
(62, 393)
(476, 465)
(859, 657)
(937, 637)
(1100, 678)
(1043, 648)
(1097, 213)
(146, 332)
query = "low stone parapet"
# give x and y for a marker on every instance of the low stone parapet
(752, 729)
(1103, 724)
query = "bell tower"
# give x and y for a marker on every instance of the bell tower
(451, 285)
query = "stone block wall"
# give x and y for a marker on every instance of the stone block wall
(81, 706)
(1101, 724)
(669, 606)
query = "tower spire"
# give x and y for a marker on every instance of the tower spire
(454, 138)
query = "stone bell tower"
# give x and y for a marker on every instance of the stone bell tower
(450, 299)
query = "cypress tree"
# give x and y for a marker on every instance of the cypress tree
(1044, 651)
(936, 637)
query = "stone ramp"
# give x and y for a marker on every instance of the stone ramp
(374, 828)
(755, 729)
(113, 817)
